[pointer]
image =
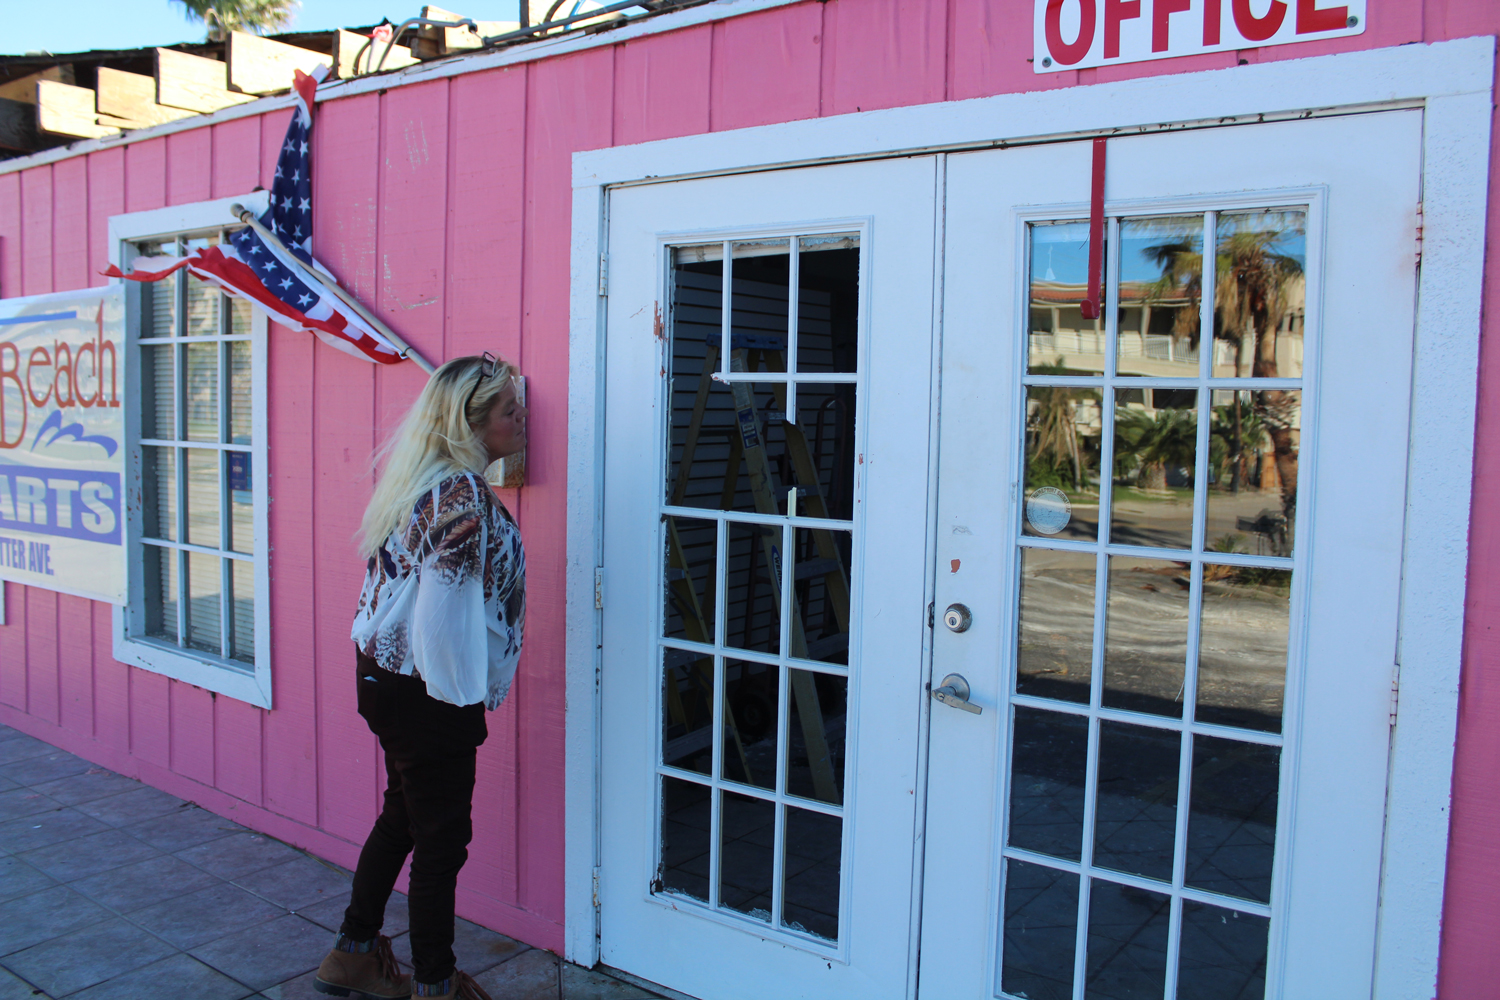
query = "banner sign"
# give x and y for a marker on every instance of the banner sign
(62, 434)
(1078, 34)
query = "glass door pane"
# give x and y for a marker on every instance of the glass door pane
(1145, 768)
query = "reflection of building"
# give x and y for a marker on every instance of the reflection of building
(1149, 344)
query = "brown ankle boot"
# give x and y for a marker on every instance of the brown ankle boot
(371, 974)
(461, 986)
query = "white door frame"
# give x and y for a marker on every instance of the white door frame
(1451, 81)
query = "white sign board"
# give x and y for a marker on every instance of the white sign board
(1078, 34)
(62, 437)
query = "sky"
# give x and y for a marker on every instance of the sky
(80, 25)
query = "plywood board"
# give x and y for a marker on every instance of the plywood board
(131, 97)
(193, 83)
(262, 66)
(24, 88)
(65, 110)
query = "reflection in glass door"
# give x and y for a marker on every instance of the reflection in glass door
(1156, 564)
(756, 541)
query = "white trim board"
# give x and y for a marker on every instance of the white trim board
(242, 681)
(437, 69)
(1450, 80)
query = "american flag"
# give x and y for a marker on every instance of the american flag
(277, 280)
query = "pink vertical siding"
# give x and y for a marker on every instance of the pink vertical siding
(445, 206)
(569, 107)
(659, 92)
(342, 439)
(482, 310)
(767, 67)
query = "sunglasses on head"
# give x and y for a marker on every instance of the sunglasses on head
(488, 366)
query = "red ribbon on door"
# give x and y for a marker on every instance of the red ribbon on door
(1092, 305)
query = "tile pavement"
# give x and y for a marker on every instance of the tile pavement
(113, 890)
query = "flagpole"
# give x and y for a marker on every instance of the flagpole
(407, 351)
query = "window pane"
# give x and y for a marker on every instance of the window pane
(1135, 817)
(1055, 640)
(748, 833)
(158, 392)
(690, 570)
(1127, 956)
(202, 496)
(687, 725)
(202, 392)
(1260, 293)
(1231, 839)
(1223, 954)
(242, 625)
(759, 305)
(750, 711)
(685, 839)
(1145, 638)
(1061, 341)
(159, 298)
(1242, 646)
(239, 317)
(754, 587)
(239, 391)
(815, 758)
(822, 595)
(159, 492)
(203, 301)
(1161, 288)
(1156, 446)
(1062, 463)
(161, 592)
(1041, 929)
(1254, 442)
(241, 502)
(1049, 755)
(810, 896)
(819, 449)
(204, 589)
(828, 303)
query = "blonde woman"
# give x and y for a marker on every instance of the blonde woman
(438, 633)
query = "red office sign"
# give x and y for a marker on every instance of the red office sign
(1076, 34)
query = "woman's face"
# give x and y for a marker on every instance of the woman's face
(504, 430)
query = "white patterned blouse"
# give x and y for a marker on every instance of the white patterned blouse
(445, 598)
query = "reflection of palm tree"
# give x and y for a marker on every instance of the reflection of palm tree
(1253, 286)
(1167, 439)
(1240, 431)
(1054, 428)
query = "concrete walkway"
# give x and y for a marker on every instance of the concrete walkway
(113, 890)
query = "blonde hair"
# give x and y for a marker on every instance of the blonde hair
(436, 439)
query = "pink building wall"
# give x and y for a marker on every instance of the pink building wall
(446, 206)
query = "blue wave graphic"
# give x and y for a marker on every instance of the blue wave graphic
(54, 423)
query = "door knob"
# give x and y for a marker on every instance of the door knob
(954, 692)
(958, 618)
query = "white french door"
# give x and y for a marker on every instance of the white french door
(1168, 542)
(1178, 532)
(768, 415)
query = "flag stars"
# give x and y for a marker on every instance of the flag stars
(303, 300)
(286, 282)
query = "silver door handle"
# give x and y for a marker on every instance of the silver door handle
(954, 692)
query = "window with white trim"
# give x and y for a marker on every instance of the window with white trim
(196, 523)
